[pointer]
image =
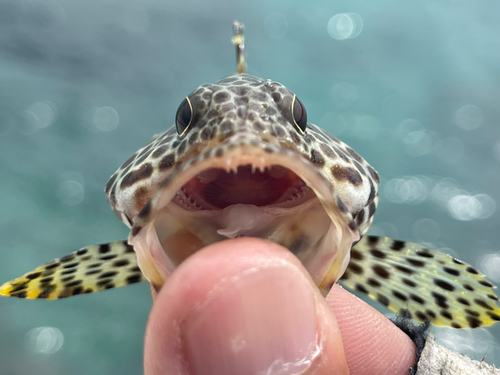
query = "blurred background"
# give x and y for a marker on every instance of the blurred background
(414, 87)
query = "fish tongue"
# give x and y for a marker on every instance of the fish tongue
(243, 220)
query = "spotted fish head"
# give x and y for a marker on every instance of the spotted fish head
(242, 160)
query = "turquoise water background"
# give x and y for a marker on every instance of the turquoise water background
(414, 87)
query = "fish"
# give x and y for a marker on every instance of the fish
(242, 159)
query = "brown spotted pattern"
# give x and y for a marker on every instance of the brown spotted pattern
(244, 109)
(90, 269)
(429, 284)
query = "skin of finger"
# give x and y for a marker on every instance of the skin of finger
(198, 275)
(372, 343)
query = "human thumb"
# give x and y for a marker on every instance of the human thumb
(242, 306)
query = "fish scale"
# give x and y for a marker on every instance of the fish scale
(310, 192)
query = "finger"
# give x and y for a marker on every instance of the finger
(372, 343)
(242, 306)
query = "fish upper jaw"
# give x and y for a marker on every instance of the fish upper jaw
(197, 206)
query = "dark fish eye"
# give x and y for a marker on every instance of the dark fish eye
(184, 116)
(299, 115)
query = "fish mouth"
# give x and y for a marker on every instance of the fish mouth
(219, 188)
(245, 189)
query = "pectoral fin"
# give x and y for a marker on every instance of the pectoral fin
(430, 284)
(90, 269)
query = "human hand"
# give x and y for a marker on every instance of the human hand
(246, 305)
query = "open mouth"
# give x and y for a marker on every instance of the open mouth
(217, 188)
(259, 191)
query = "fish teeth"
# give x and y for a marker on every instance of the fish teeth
(229, 163)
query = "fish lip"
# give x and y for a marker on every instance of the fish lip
(231, 155)
(243, 153)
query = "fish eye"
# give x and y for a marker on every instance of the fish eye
(299, 115)
(184, 116)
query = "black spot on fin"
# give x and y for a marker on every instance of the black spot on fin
(91, 269)
(429, 284)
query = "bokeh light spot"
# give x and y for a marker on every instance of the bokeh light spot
(408, 189)
(39, 115)
(70, 190)
(106, 119)
(345, 26)
(490, 265)
(408, 126)
(469, 117)
(419, 142)
(44, 340)
(466, 207)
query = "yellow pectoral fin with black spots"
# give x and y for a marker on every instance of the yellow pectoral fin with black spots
(90, 269)
(429, 284)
